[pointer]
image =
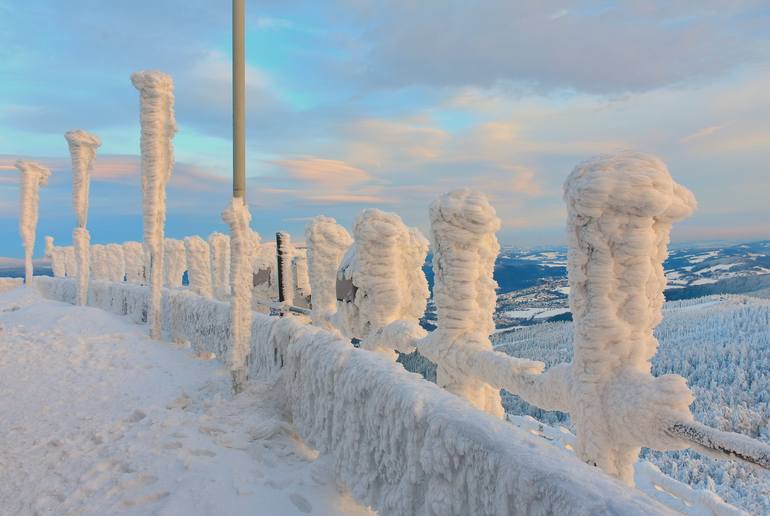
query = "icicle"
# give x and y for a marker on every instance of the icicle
(326, 243)
(33, 176)
(198, 265)
(82, 147)
(620, 211)
(156, 91)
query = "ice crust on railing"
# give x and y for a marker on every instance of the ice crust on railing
(219, 243)
(174, 261)
(156, 94)
(400, 444)
(385, 267)
(33, 176)
(198, 265)
(133, 255)
(98, 263)
(326, 243)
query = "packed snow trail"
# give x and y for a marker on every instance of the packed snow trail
(98, 419)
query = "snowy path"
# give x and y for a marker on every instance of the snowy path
(97, 419)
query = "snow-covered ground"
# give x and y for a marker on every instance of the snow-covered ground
(98, 419)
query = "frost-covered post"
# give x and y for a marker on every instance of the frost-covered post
(156, 93)
(133, 256)
(620, 212)
(116, 262)
(198, 268)
(33, 176)
(283, 253)
(220, 265)
(82, 147)
(70, 263)
(56, 255)
(242, 252)
(463, 226)
(326, 243)
(382, 289)
(175, 262)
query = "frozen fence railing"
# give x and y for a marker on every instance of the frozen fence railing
(621, 209)
(400, 444)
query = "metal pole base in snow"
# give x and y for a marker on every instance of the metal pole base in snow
(239, 380)
(721, 444)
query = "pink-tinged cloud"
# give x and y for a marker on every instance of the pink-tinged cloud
(701, 133)
(324, 172)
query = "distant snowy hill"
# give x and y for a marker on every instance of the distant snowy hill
(721, 345)
(533, 282)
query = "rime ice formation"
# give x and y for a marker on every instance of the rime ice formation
(175, 262)
(198, 265)
(33, 176)
(70, 263)
(133, 255)
(265, 272)
(326, 244)
(156, 93)
(220, 265)
(463, 226)
(116, 262)
(56, 255)
(242, 252)
(620, 211)
(82, 147)
(284, 253)
(385, 267)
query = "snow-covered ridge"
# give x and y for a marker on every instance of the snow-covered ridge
(437, 456)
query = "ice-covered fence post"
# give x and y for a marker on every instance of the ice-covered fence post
(220, 265)
(133, 255)
(156, 93)
(116, 262)
(70, 263)
(326, 243)
(56, 255)
(283, 253)
(99, 263)
(463, 226)
(300, 279)
(620, 211)
(82, 147)
(33, 176)
(175, 262)
(386, 288)
(198, 268)
(242, 252)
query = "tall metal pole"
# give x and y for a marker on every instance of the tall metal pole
(239, 97)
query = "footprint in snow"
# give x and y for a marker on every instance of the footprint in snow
(301, 503)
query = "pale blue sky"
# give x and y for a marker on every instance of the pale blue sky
(359, 103)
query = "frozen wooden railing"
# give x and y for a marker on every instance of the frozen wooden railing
(400, 444)
(621, 209)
